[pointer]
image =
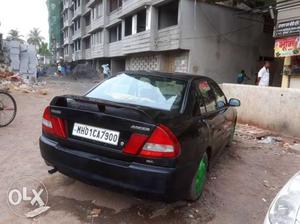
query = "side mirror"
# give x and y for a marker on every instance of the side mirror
(234, 102)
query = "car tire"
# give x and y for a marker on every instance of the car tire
(199, 179)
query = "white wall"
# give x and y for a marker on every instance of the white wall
(272, 108)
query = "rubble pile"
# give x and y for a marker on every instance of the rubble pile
(14, 81)
(7, 74)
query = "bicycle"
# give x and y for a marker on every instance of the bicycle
(8, 109)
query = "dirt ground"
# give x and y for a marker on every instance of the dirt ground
(240, 188)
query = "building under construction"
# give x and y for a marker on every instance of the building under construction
(165, 35)
(55, 27)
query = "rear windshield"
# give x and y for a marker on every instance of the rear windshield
(149, 91)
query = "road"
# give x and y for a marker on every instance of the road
(240, 186)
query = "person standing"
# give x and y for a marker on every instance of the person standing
(263, 78)
(242, 77)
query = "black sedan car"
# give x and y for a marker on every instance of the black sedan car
(147, 132)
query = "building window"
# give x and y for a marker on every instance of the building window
(72, 48)
(77, 45)
(87, 43)
(66, 34)
(97, 10)
(97, 38)
(141, 21)
(66, 50)
(87, 19)
(75, 5)
(114, 4)
(77, 24)
(115, 33)
(65, 15)
(128, 26)
(168, 15)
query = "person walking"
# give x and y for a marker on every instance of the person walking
(263, 78)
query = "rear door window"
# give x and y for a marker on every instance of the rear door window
(208, 95)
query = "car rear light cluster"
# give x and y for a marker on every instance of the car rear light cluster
(53, 125)
(161, 144)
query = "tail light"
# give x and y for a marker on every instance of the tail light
(53, 125)
(161, 144)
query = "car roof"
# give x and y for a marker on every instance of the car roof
(176, 75)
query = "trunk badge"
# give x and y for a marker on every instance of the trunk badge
(139, 128)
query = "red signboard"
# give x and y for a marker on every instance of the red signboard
(289, 46)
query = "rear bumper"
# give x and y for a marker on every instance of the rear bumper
(165, 183)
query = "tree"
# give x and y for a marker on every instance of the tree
(44, 50)
(35, 38)
(14, 35)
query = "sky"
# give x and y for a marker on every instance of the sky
(24, 15)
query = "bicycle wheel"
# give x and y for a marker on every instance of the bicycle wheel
(8, 109)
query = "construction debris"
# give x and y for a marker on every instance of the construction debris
(14, 81)
(95, 213)
(270, 140)
(295, 148)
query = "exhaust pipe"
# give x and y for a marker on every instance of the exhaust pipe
(52, 171)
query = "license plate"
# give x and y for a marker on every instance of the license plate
(96, 134)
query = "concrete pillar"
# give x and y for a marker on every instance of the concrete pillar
(153, 26)
(134, 24)
(148, 17)
(123, 28)
(285, 83)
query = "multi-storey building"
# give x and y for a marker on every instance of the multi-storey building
(167, 35)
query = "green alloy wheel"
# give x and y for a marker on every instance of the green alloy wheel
(201, 175)
(199, 179)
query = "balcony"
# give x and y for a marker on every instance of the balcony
(97, 51)
(97, 23)
(90, 3)
(139, 42)
(77, 12)
(87, 29)
(67, 22)
(77, 34)
(87, 54)
(66, 5)
(67, 40)
(86, 9)
(77, 55)
(114, 16)
(168, 39)
(67, 58)
(115, 49)
(133, 5)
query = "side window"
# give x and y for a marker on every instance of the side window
(221, 99)
(208, 95)
(200, 106)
